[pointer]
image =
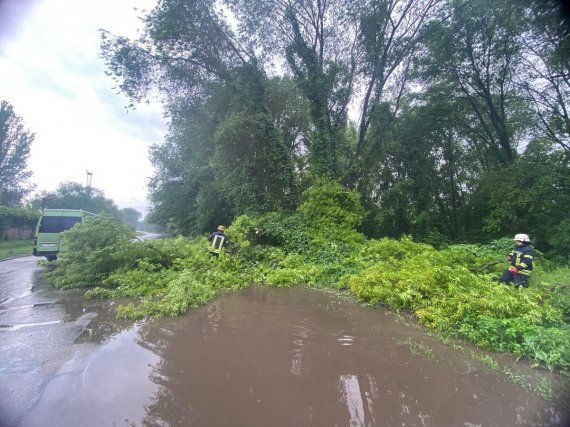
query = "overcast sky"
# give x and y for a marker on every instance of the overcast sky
(50, 71)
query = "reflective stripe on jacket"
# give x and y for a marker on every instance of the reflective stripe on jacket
(521, 258)
(218, 240)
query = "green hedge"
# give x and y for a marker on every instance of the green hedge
(16, 218)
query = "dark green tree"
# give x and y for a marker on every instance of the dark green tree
(531, 196)
(315, 40)
(289, 111)
(15, 142)
(546, 72)
(474, 54)
(223, 155)
(72, 195)
(131, 217)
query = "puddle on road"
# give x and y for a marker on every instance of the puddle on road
(283, 357)
(277, 357)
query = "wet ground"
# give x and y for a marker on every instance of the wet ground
(257, 357)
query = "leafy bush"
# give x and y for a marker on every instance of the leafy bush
(328, 206)
(555, 284)
(445, 295)
(95, 249)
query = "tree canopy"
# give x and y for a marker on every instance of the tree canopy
(72, 195)
(450, 117)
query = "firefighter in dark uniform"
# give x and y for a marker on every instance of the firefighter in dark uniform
(218, 241)
(521, 259)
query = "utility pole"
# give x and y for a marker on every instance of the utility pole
(89, 176)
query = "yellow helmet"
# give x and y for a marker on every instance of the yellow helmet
(221, 227)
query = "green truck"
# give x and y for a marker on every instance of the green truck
(47, 239)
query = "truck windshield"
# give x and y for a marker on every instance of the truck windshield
(57, 224)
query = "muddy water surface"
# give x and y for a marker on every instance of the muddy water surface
(295, 357)
(256, 357)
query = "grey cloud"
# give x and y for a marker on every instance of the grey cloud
(144, 125)
(12, 14)
(42, 80)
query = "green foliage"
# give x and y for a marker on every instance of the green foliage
(15, 144)
(95, 249)
(540, 191)
(328, 207)
(14, 248)
(447, 290)
(250, 162)
(445, 295)
(170, 276)
(287, 231)
(555, 284)
(17, 217)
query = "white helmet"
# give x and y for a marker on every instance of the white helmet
(522, 237)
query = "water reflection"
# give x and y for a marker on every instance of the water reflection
(350, 393)
(274, 357)
(301, 336)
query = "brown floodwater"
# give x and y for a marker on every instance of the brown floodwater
(296, 357)
(272, 357)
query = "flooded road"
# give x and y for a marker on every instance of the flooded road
(257, 357)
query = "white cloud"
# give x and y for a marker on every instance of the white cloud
(50, 71)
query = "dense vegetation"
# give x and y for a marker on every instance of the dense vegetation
(16, 217)
(448, 117)
(355, 145)
(453, 291)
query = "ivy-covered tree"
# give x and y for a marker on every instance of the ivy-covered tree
(315, 40)
(237, 162)
(15, 143)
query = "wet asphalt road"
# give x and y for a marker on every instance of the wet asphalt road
(49, 346)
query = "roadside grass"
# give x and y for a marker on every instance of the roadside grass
(12, 248)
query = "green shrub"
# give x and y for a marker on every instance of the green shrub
(447, 296)
(555, 285)
(95, 249)
(330, 207)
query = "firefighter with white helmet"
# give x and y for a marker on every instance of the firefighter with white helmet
(521, 259)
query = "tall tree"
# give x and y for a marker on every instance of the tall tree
(192, 58)
(315, 39)
(546, 71)
(15, 142)
(474, 54)
(388, 35)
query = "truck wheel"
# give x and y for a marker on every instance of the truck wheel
(51, 257)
